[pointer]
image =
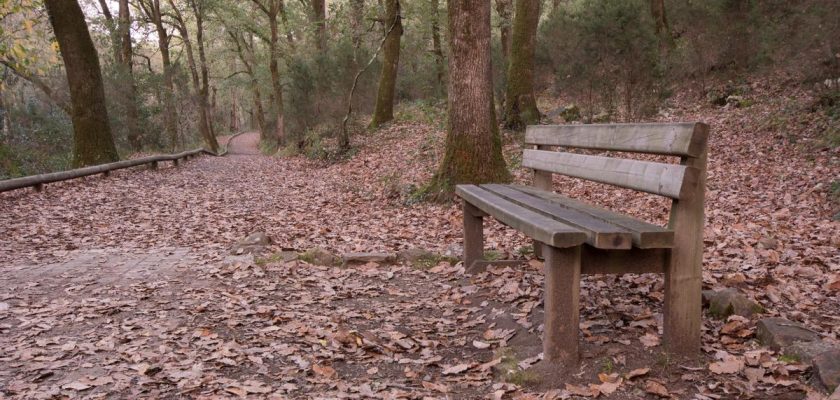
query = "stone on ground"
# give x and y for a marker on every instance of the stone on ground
(415, 254)
(319, 256)
(779, 334)
(349, 258)
(827, 369)
(254, 243)
(726, 302)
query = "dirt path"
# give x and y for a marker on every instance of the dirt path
(245, 144)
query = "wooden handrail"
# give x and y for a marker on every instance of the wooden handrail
(38, 181)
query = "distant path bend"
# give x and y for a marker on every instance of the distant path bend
(246, 144)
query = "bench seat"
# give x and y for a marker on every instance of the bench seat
(560, 221)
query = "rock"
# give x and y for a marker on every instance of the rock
(735, 101)
(726, 302)
(807, 351)
(242, 259)
(453, 251)
(348, 258)
(779, 334)
(827, 369)
(319, 256)
(570, 113)
(254, 243)
(416, 254)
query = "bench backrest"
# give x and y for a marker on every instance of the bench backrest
(677, 181)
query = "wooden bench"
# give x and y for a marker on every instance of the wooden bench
(578, 238)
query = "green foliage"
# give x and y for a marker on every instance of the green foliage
(606, 52)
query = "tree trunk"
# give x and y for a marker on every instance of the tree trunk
(504, 11)
(357, 21)
(129, 89)
(384, 110)
(246, 55)
(170, 113)
(473, 145)
(319, 18)
(437, 49)
(663, 31)
(198, 9)
(520, 104)
(274, 67)
(200, 90)
(92, 139)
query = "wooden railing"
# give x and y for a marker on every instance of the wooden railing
(38, 181)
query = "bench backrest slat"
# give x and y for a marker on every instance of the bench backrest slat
(675, 139)
(670, 180)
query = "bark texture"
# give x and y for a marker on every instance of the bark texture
(272, 9)
(92, 139)
(520, 104)
(473, 145)
(384, 110)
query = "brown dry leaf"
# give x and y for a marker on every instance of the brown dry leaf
(456, 369)
(728, 366)
(657, 388)
(480, 345)
(585, 391)
(76, 385)
(636, 373)
(323, 370)
(436, 386)
(608, 387)
(650, 340)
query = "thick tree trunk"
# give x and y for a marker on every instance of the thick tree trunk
(437, 49)
(129, 88)
(520, 104)
(197, 7)
(473, 145)
(92, 139)
(384, 110)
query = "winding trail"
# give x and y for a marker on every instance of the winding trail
(245, 144)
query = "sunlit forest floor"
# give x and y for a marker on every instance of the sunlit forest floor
(123, 286)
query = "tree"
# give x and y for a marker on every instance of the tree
(201, 85)
(504, 11)
(152, 11)
(129, 98)
(319, 18)
(245, 51)
(436, 45)
(473, 145)
(384, 110)
(92, 139)
(520, 104)
(272, 9)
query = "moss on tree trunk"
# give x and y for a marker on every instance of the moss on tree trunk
(384, 110)
(520, 104)
(473, 145)
(92, 139)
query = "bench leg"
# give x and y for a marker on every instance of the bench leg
(538, 253)
(562, 304)
(682, 311)
(473, 235)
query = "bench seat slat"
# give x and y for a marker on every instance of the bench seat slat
(645, 235)
(601, 234)
(531, 223)
(670, 180)
(675, 139)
